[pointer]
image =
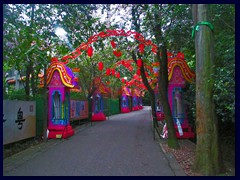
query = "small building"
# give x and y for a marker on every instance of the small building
(97, 100)
(125, 100)
(60, 79)
(135, 99)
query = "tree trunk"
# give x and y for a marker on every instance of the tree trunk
(163, 85)
(208, 161)
(163, 95)
(27, 86)
(32, 81)
(150, 90)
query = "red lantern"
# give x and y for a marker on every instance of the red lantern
(117, 53)
(90, 51)
(141, 48)
(100, 66)
(117, 75)
(154, 50)
(113, 44)
(108, 71)
(139, 63)
(113, 72)
(139, 72)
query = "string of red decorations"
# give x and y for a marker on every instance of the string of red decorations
(108, 33)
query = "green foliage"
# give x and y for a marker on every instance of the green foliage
(78, 96)
(17, 95)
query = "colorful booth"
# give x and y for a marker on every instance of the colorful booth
(125, 104)
(178, 74)
(60, 79)
(135, 100)
(97, 101)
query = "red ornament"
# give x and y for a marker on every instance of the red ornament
(117, 53)
(139, 63)
(108, 71)
(123, 80)
(123, 62)
(113, 44)
(90, 51)
(141, 48)
(139, 72)
(113, 72)
(100, 66)
(117, 75)
(154, 50)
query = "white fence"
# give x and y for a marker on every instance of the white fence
(19, 120)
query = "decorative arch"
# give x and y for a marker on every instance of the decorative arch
(108, 33)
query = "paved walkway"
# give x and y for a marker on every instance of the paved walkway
(120, 146)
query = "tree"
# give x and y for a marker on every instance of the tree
(208, 159)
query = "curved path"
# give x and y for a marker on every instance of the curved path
(123, 145)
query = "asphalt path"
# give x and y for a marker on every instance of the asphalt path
(123, 145)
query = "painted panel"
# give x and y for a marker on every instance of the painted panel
(79, 109)
(19, 120)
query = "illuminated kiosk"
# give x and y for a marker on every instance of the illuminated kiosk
(97, 101)
(60, 79)
(178, 74)
(135, 95)
(125, 104)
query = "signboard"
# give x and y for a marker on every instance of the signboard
(19, 120)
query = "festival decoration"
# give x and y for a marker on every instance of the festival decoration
(108, 33)
(141, 48)
(113, 72)
(90, 51)
(138, 72)
(100, 66)
(113, 44)
(117, 53)
(108, 71)
(139, 63)
(117, 75)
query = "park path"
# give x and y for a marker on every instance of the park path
(123, 145)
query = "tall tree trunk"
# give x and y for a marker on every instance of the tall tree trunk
(163, 95)
(27, 87)
(32, 81)
(163, 84)
(208, 160)
(150, 90)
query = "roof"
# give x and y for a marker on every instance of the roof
(65, 73)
